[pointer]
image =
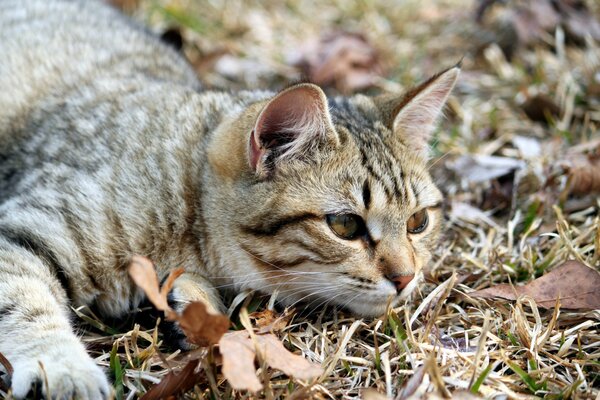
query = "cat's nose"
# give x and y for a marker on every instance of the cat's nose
(401, 281)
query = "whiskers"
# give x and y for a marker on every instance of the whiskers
(314, 288)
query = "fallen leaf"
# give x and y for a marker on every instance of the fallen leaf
(268, 321)
(579, 21)
(372, 394)
(6, 364)
(468, 213)
(342, 59)
(202, 327)
(584, 177)
(168, 285)
(464, 395)
(9, 371)
(481, 168)
(278, 357)
(541, 108)
(410, 386)
(573, 282)
(238, 361)
(143, 274)
(529, 147)
(238, 351)
(459, 344)
(175, 382)
(532, 20)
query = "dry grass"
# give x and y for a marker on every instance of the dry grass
(498, 349)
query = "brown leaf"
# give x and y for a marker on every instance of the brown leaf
(532, 19)
(238, 355)
(541, 108)
(579, 21)
(278, 357)
(481, 168)
(573, 282)
(268, 321)
(584, 177)
(9, 370)
(342, 59)
(202, 327)
(410, 386)
(6, 364)
(143, 274)
(372, 394)
(168, 285)
(175, 382)
(238, 351)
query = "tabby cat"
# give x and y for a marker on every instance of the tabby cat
(109, 148)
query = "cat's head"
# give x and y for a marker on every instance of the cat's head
(330, 201)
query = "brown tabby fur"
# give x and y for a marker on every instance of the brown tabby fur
(109, 148)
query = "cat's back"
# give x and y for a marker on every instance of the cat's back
(48, 47)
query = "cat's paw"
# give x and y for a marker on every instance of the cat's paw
(69, 374)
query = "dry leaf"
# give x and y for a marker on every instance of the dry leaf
(268, 321)
(529, 147)
(372, 394)
(579, 21)
(573, 282)
(9, 370)
(6, 364)
(239, 351)
(278, 357)
(238, 361)
(410, 386)
(143, 274)
(468, 213)
(534, 20)
(202, 327)
(342, 59)
(541, 108)
(175, 382)
(481, 168)
(584, 177)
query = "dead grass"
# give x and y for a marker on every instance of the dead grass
(495, 349)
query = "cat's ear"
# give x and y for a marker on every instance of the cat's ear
(412, 116)
(291, 125)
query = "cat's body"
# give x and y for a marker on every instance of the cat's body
(108, 148)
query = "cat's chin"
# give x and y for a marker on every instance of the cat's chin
(376, 308)
(371, 310)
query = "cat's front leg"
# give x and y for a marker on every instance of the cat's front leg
(187, 288)
(36, 335)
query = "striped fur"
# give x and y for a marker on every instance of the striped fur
(109, 148)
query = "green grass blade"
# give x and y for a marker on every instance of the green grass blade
(480, 379)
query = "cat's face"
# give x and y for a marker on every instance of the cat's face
(347, 215)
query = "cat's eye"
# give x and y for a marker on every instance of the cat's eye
(417, 222)
(347, 226)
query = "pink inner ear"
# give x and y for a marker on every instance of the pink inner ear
(288, 123)
(418, 116)
(288, 113)
(256, 152)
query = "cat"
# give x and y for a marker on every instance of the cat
(109, 148)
